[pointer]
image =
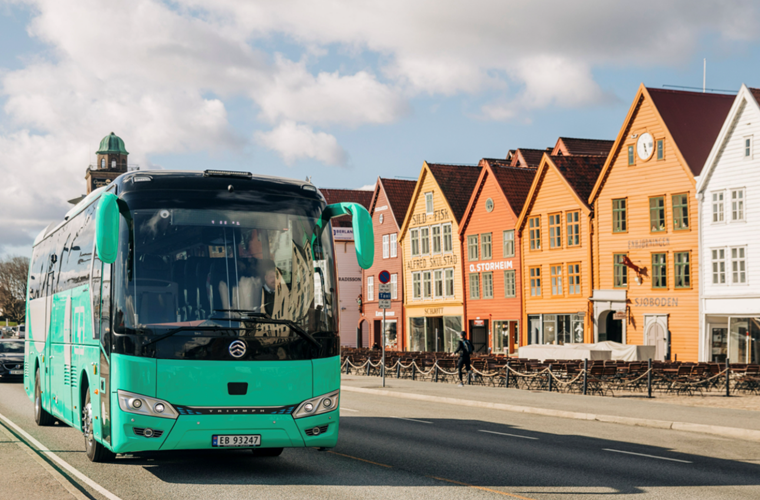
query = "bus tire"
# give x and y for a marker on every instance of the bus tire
(96, 452)
(267, 452)
(41, 417)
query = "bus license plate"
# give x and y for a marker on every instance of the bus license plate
(17, 372)
(236, 440)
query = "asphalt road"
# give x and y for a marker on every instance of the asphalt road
(393, 449)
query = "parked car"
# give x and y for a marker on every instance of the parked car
(6, 332)
(21, 331)
(11, 359)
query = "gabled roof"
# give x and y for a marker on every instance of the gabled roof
(456, 183)
(691, 120)
(752, 98)
(573, 146)
(398, 193)
(526, 157)
(364, 198)
(579, 173)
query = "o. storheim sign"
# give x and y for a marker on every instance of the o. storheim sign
(490, 266)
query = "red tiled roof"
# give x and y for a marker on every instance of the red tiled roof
(515, 183)
(755, 93)
(456, 183)
(364, 198)
(581, 172)
(527, 158)
(399, 193)
(694, 119)
(576, 146)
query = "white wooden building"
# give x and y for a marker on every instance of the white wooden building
(728, 191)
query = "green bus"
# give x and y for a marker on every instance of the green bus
(190, 310)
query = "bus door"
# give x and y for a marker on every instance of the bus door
(48, 353)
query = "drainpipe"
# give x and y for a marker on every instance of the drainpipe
(702, 351)
(592, 234)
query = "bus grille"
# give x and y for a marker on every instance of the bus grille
(322, 430)
(66, 375)
(140, 431)
(73, 376)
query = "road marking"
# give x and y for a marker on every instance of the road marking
(43, 449)
(510, 435)
(360, 459)
(513, 495)
(348, 409)
(648, 456)
(413, 420)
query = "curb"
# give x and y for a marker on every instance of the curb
(714, 430)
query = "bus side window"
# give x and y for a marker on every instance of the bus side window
(95, 292)
(101, 299)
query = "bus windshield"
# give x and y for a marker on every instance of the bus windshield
(188, 268)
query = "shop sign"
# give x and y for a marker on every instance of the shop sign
(649, 243)
(436, 261)
(656, 302)
(380, 209)
(434, 310)
(437, 216)
(490, 266)
(387, 313)
(478, 322)
(618, 315)
(343, 233)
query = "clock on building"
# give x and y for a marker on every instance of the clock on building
(645, 146)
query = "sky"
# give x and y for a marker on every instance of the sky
(340, 91)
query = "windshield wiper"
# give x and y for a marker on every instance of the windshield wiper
(189, 328)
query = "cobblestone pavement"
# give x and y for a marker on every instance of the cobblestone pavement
(709, 400)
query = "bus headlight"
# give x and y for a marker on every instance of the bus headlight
(314, 406)
(144, 405)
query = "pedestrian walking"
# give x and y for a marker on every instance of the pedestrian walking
(464, 349)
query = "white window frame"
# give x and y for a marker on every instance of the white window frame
(513, 280)
(417, 285)
(747, 155)
(743, 202)
(414, 237)
(474, 286)
(487, 290)
(370, 288)
(438, 278)
(505, 253)
(743, 249)
(446, 280)
(470, 247)
(424, 239)
(720, 205)
(556, 279)
(432, 239)
(445, 239)
(427, 285)
(386, 252)
(394, 286)
(488, 245)
(394, 245)
(715, 272)
(429, 205)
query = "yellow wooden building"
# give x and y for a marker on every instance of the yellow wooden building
(646, 259)
(432, 254)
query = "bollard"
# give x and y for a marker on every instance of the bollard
(398, 369)
(728, 378)
(649, 379)
(382, 371)
(551, 379)
(414, 370)
(506, 377)
(368, 367)
(469, 376)
(436, 372)
(585, 376)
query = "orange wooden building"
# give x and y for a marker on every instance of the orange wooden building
(646, 258)
(492, 272)
(555, 229)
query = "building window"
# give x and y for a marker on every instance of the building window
(737, 204)
(447, 246)
(472, 247)
(738, 266)
(415, 241)
(427, 285)
(416, 286)
(449, 274)
(370, 288)
(717, 206)
(510, 285)
(438, 283)
(680, 211)
(661, 149)
(487, 285)
(683, 270)
(556, 275)
(425, 240)
(620, 276)
(509, 243)
(436, 239)
(657, 214)
(659, 270)
(719, 266)
(394, 286)
(535, 232)
(574, 279)
(394, 245)
(630, 155)
(474, 286)
(748, 147)
(535, 281)
(555, 231)
(573, 229)
(429, 203)
(619, 216)
(485, 246)
(386, 251)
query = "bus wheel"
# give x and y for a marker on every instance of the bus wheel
(267, 452)
(41, 417)
(96, 452)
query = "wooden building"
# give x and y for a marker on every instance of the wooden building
(492, 272)
(432, 253)
(646, 243)
(388, 207)
(728, 212)
(555, 230)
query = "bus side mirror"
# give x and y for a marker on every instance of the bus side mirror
(107, 228)
(364, 234)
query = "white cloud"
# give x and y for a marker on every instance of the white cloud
(293, 142)
(367, 187)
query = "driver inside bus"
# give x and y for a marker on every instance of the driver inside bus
(246, 293)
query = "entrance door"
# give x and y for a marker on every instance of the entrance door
(656, 334)
(614, 328)
(534, 330)
(479, 336)
(718, 345)
(377, 330)
(362, 335)
(434, 334)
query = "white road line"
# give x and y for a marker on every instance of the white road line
(414, 420)
(89, 482)
(648, 456)
(348, 409)
(510, 435)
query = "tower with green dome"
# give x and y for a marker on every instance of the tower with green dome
(112, 162)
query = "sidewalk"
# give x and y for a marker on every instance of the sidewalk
(725, 422)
